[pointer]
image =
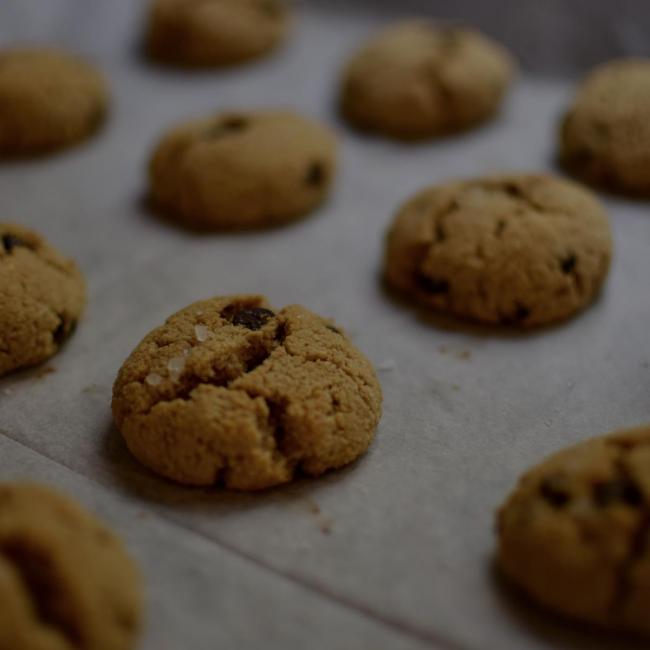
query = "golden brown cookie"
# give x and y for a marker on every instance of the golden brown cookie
(574, 534)
(212, 33)
(605, 135)
(230, 391)
(420, 79)
(242, 170)
(517, 250)
(42, 295)
(49, 100)
(66, 582)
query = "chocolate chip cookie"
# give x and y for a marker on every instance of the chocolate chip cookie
(605, 135)
(242, 170)
(50, 100)
(66, 582)
(233, 392)
(420, 79)
(518, 250)
(574, 533)
(42, 295)
(212, 33)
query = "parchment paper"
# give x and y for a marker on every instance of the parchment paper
(395, 551)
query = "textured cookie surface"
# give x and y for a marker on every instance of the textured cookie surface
(242, 170)
(518, 250)
(42, 295)
(50, 100)
(206, 33)
(66, 582)
(229, 391)
(419, 79)
(605, 136)
(574, 533)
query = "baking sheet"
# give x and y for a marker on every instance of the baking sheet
(395, 551)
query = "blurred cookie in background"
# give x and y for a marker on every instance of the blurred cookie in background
(573, 534)
(213, 33)
(50, 99)
(42, 296)
(66, 581)
(242, 170)
(419, 79)
(605, 135)
(520, 250)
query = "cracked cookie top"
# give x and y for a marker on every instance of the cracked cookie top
(42, 295)
(233, 392)
(66, 582)
(242, 169)
(212, 33)
(50, 99)
(605, 135)
(419, 79)
(519, 250)
(574, 534)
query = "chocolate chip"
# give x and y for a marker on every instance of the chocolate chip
(64, 330)
(512, 190)
(618, 490)
(580, 157)
(254, 318)
(58, 336)
(521, 313)
(431, 285)
(568, 263)
(232, 124)
(11, 241)
(554, 490)
(316, 174)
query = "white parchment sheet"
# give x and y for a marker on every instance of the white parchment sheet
(396, 551)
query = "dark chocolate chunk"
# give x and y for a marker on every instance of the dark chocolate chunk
(512, 190)
(568, 263)
(521, 313)
(431, 285)
(316, 174)
(253, 318)
(618, 490)
(232, 124)
(63, 331)
(9, 242)
(553, 489)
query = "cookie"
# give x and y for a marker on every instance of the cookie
(213, 33)
(50, 100)
(420, 79)
(230, 391)
(42, 295)
(242, 170)
(66, 582)
(516, 249)
(573, 535)
(605, 135)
